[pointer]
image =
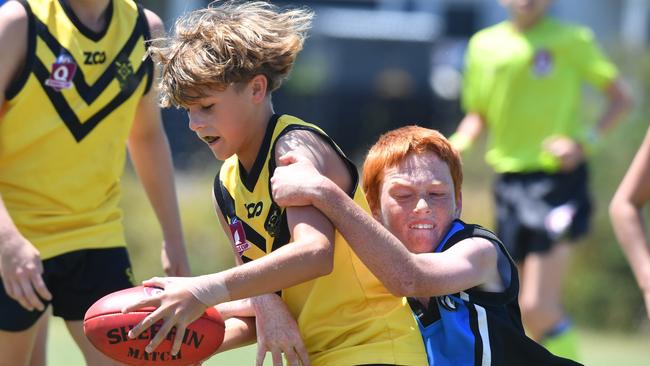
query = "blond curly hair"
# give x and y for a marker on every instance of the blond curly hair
(228, 43)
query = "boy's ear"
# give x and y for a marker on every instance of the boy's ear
(258, 85)
(459, 205)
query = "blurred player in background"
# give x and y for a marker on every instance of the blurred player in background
(625, 211)
(75, 91)
(523, 82)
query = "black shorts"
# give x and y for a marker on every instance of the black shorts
(536, 210)
(76, 280)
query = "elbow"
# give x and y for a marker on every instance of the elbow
(403, 289)
(627, 102)
(405, 284)
(322, 258)
(621, 207)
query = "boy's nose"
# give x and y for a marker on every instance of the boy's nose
(194, 123)
(422, 206)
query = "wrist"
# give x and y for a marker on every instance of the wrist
(461, 141)
(325, 194)
(210, 289)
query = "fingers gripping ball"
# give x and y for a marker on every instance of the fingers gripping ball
(107, 328)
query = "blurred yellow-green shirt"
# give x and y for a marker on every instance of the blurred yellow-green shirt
(528, 86)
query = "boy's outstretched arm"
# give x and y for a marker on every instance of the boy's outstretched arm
(308, 256)
(274, 327)
(469, 263)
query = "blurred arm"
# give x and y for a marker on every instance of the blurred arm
(20, 262)
(469, 263)
(151, 156)
(619, 103)
(625, 212)
(468, 131)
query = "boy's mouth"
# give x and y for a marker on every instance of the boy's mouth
(209, 139)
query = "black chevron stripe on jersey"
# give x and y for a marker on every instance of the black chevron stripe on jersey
(78, 129)
(90, 93)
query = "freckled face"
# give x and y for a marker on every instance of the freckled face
(417, 202)
(221, 121)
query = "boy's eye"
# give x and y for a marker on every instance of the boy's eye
(401, 195)
(206, 107)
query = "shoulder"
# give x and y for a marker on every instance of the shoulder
(306, 142)
(492, 32)
(13, 36)
(13, 18)
(155, 23)
(488, 39)
(475, 234)
(572, 32)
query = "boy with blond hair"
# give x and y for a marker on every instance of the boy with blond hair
(222, 65)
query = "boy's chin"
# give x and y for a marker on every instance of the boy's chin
(221, 155)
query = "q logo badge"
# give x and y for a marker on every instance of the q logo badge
(542, 62)
(63, 71)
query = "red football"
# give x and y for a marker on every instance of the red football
(106, 328)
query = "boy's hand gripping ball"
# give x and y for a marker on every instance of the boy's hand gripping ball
(107, 328)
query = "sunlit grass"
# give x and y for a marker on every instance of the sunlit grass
(597, 349)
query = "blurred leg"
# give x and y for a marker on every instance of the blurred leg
(16, 347)
(541, 289)
(39, 352)
(541, 301)
(91, 354)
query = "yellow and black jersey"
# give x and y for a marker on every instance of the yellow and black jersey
(345, 318)
(68, 116)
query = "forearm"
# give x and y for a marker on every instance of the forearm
(380, 251)
(7, 227)
(240, 331)
(237, 308)
(618, 105)
(152, 161)
(290, 265)
(631, 234)
(469, 129)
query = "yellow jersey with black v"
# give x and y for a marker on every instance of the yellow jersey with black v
(345, 318)
(67, 118)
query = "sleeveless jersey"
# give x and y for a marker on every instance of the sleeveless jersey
(345, 318)
(478, 328)
(68, 116)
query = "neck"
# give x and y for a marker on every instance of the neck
(524, 24)
(91, 13)
(257, 130)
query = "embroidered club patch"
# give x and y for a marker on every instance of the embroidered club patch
(542, 62)
(63, 71)
(239, 236)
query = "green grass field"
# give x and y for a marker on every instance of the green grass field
(597, 348)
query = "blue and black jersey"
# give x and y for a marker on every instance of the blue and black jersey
(476, 327)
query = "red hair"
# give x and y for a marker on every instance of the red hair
(394, 146)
